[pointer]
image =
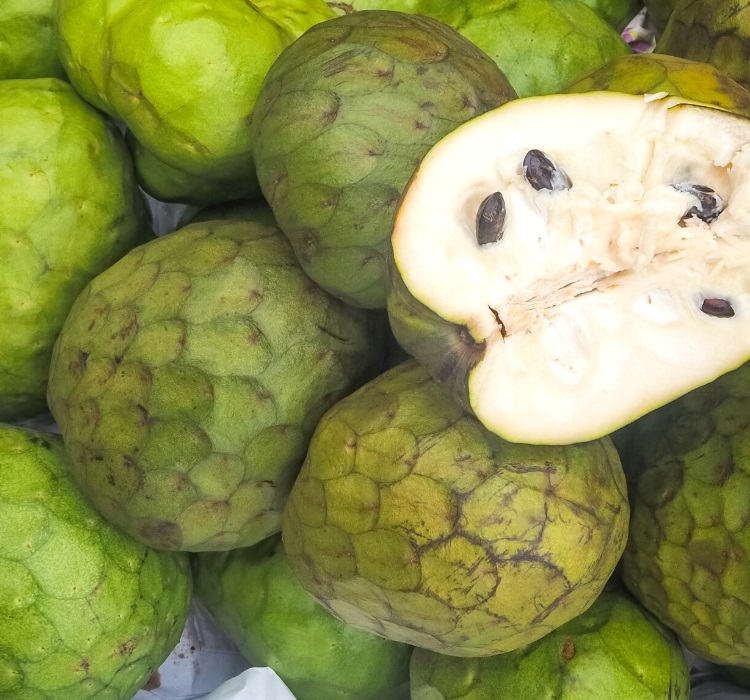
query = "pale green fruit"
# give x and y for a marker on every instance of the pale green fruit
(613, 650)
(189, 377)
(70, 209)
(28, 42)
(86, 613)
(258, 602)
(411, 520)
(183, 75)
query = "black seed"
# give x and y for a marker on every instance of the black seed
(543, 173)
(710, 203)
(720, 308)
(491, 219)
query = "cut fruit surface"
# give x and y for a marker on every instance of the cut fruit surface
(566, 264)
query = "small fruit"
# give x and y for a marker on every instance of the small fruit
(28, 42)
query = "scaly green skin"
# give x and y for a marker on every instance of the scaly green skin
(183, 75)
(540, 45)
(711, 31)
(85, 612)
(168, 184)
(659, 11)
(687, 556)
(28, 44)
(613, 650)
(188, 379)
(411, 520)
(650, 73)
(616, 12)
(255, 210)
(258, 602)
(71, 209)
(344, 117)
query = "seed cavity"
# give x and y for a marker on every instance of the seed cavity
(710, 203)
(719, 308)
(542, 173)
(491, 219)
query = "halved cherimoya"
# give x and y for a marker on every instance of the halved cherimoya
(566, 264)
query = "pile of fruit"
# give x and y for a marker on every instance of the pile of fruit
(443, 393)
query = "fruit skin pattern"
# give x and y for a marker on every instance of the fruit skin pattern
(344, 117)
(411, 520)
(85, 612)
(189, 377)
(614, 650)
(687, 556)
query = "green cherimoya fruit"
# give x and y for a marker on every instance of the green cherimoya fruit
(188, 379)
(613, 650)
(70, 208)
(410, 520)
(540, 45)
(711, 31)
(28, 42)
(183, 75)
(169, 184)
(85, 611)
(653, 74)
(342, 121)
(563, 282)
(258, 602)
(689, 548)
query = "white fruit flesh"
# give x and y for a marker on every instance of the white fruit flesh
(590, 303)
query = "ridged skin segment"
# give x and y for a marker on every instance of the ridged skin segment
(716, 32)
(189, 377)
(613, 650)
(651, 73)
(86, 613)
(28, 44)
(258, 602)
(689, 481)
(183, 75)
(71, 209)
(344, 117)
(410, 520)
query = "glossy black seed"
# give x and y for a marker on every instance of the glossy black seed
(710, 203)
(720, 308)
(543, 173)
(491, 219)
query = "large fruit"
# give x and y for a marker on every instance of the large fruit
(85, 612)
(688, 555)
(189, 377)
(70, 208)
(342, 121)
(411, 520)
(564, 281)
(28, 43)
(653, 73)
(183, 75)
(258, 602)
(712, 31)
(613, 650)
